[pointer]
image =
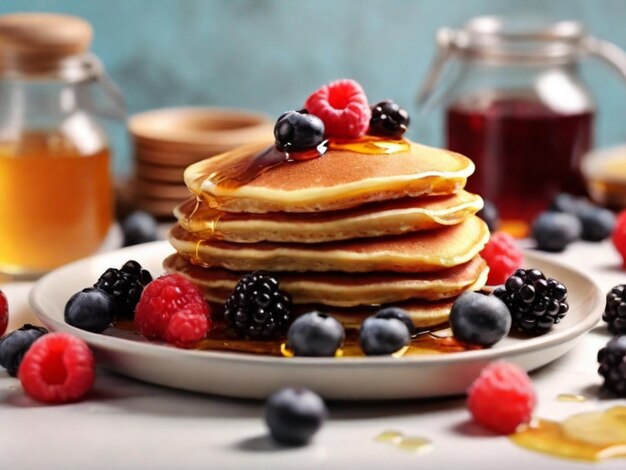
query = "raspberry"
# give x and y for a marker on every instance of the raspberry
(501, 398)
(4, 313)
(503, 257)
(161, 300)
(186, 327)
(58, 368)
(342, 107)
(619, 236)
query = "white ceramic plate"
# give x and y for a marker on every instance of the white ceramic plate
(250, 376)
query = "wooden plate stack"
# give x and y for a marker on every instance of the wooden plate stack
(166, 141)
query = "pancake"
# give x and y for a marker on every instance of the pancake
(425, 251)
(371, 220)
(339, 179)
(341, 290)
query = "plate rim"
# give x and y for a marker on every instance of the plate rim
(159, 348)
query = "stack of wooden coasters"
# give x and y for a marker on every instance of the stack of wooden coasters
(166, 141)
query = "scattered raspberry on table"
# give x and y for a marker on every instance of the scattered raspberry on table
(501, 398)
(4, 313)
(58, 368)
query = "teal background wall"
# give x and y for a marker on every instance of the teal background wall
(270, 54)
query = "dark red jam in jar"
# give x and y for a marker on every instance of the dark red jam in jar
(524, 151)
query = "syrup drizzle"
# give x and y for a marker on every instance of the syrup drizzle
(241, 167)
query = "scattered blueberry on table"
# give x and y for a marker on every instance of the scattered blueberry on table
(294, 415)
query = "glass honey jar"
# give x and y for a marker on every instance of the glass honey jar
(56, 196)
(511, 97)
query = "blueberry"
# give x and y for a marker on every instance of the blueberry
(597, 223)
(294, 415)
(14, 345)
(553, 231)
(382, 336)
(479, 319)
(568, 203)
(399, 314)
(91, 310)
(139, 227)
(315, 334)
(298, 130)
(489, 213)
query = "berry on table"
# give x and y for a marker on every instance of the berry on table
(612, 359)
(257, 308)
(399, 314)
(388, 119)
(298, 130)
(501, 398)
(536, 303)
(383, 336)
(4, 313)
(14, 345)
(619, 235)
(342, 106)
(597, 223)
(565, 202)
(502, 256)
(139, 227)
(58, 368)
(125, 286)
(490, 214)
(615, 310)
(554, 231)
(294, 415)
(315, 334)
(163, 301)
(91, 310)
(479, 319)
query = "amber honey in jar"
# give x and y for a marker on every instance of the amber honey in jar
(55, 178)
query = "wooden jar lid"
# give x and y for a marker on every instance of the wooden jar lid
(38, 42)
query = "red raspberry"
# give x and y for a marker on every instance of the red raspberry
(501, 398)
(503, 257)
(57, 368)
(186, 327)
(619, 236)
(161, 300)
(4, 313)
(342, 106)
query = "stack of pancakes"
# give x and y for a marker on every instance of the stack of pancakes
(344, 233)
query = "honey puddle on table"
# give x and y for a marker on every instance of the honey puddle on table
(415, 444)
(588, 437)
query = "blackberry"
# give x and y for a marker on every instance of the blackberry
(257, 308)
(536, 303)
(125, 286)
(612, 359)
(615, 310)
(388, 119)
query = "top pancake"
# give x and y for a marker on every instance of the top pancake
(337, 180)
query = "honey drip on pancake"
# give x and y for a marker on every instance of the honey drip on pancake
(243, 168)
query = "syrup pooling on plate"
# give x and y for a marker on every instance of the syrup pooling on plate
(219, 339)
(586, 436)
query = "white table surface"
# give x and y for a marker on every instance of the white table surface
(129, 424)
